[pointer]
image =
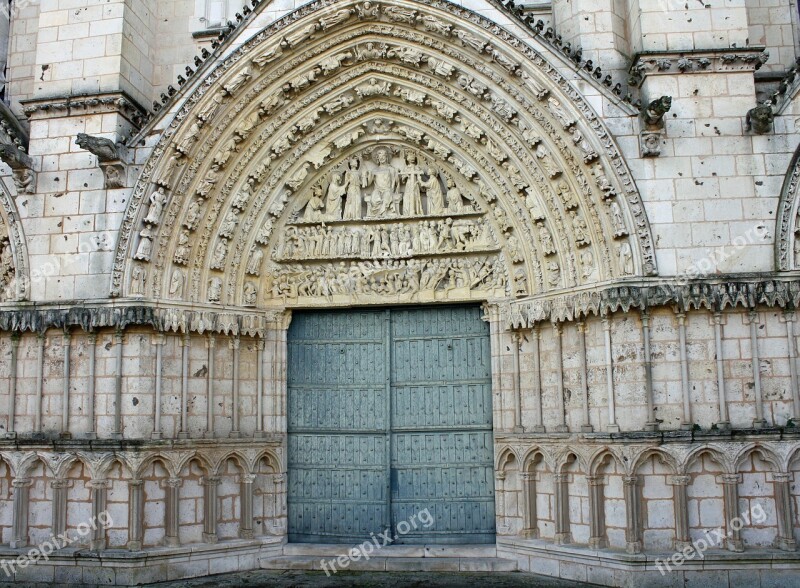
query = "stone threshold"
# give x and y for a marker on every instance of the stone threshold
(394, 558)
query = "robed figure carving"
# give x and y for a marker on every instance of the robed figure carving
(353, 182)
(333, 199)
(384, 179)
(412, 174)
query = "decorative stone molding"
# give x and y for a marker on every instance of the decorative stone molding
(14, 271)
(776, 291)
(654, 63)
(103, 103)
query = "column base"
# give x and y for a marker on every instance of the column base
(633, 547)
(651, 426)
(172, 541)
(538, 429)
(116, 436)
(209, 435)
(65, 435)
(183, 435)
(735, 545)
(597, 543)
(259, 435)
(530, 533)
(235, 435)
(210, 538)
(587, 429)
(519, 429)
(134, 546)
(759, 423)
(687, 426)
(18, 544)
(681, 545)
(247, 534)
(563, 538)
(723, 426)
(156, 435)
(561, 429)
(90, 435)
(98, 545)
(786, 544)
(11, 435)
(612, 428)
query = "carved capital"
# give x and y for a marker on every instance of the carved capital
(173, 482)
(248, 478)
(21, 483)
(99, 484)
(680, 480)
(57, 484)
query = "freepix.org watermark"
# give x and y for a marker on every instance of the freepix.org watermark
(377, 542)
(710, 538)
(43, 551)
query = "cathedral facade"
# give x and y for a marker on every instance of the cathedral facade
(516, 283)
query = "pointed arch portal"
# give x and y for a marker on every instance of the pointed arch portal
(360, 153)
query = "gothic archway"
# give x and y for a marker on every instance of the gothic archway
(366, 152)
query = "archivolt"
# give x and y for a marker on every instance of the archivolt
(288, 110)
(788, 221)
(14, 278)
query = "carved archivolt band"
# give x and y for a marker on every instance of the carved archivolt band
(285, 113)
(14, 271)
(787, 245)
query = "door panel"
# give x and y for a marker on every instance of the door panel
(390, 414)
(338, 421)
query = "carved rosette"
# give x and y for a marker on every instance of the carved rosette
(478, 172)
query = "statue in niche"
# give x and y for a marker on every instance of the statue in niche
(294, 39)
(520, 282)
(210, 109)
(157, 200)
(335, 19)
(441, 67)
(220, 253)
(617, 219)
(370, 51)
(435, 25)
(512, 246)
(138, 279)
(223, 156)
(214, 289)
(229, 223)
(625, 258)
(553, 274)
(532, 203)
(546, 239)
(239, 81)
(193, 215)
(353, 182)
(580, 230)
(589, 154)
(412, 174)
(244, 194)
(567, 195)
(333, 62)
(555, 108)
(385, 182)
(338, 104)
(250, 295)
(165, 177)
(373, 88)
(145, 249)
(189, 139)
(176, 284)
(548, 163)
(587, 263)
(433, 190)
(268, 56)
(315, 206)
(182, 249)
(245, 129)
(333, 199)
(398, 14)
(455, 200)
(208, 183)
(468, 39)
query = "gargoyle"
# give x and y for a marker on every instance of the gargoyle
(654, 113)
(105, 149)
(15, 157)
(760, 119)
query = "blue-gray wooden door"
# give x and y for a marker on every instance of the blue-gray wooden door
(390, 415)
